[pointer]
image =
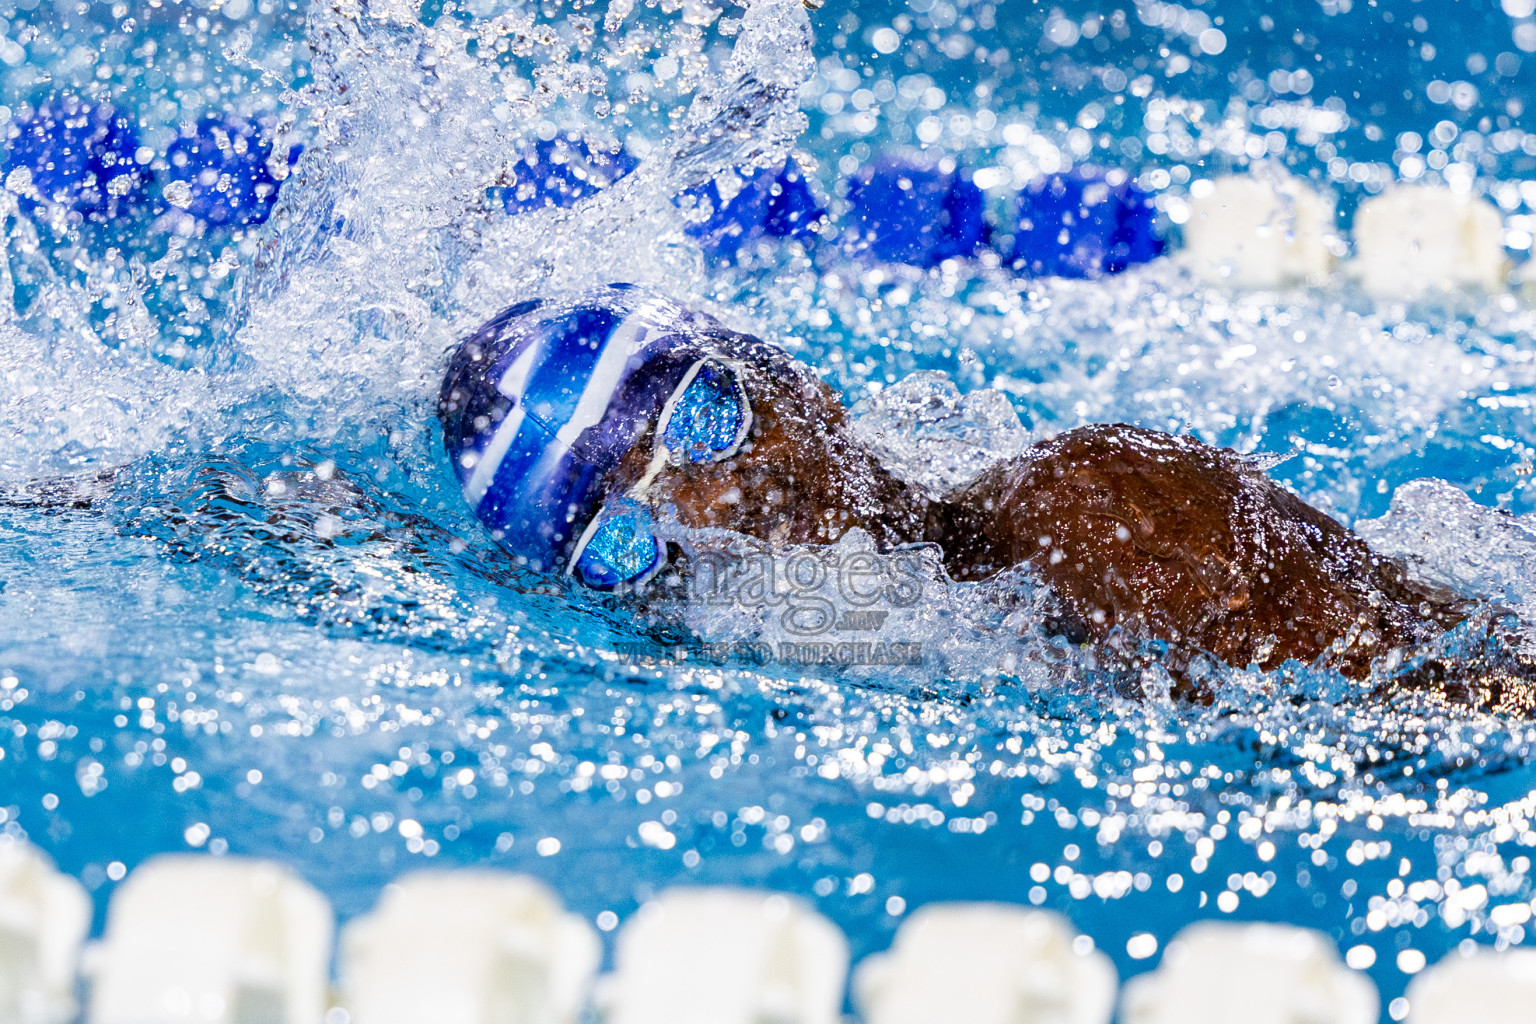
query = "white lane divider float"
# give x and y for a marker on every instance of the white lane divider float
(1412, 240)
(212, 940)
(1216, 973)
(1270, 229)
(1525, 281)
(222, 940)
(726, 956)
(985, 963)
(467, 947)
(44, 916)
(1260, 231)
(1484, 988)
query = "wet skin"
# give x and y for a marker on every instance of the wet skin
(799, 478)
(1161, 537)
(1170, 538)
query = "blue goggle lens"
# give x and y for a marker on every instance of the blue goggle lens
(621, 550)
(709, 419)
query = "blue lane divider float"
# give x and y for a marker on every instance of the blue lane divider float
(770, 204)
(1084, 223)
(75, 154)
(221, 173)
(561, 172)
(903, 211)
(85, 157)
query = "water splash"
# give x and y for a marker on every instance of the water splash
(929, 435)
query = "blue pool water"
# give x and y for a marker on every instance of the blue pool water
(275, 630)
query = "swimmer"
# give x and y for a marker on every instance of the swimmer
(574, 426)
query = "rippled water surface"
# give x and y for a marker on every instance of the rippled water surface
(245, 610)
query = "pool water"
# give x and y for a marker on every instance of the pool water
(246, 610)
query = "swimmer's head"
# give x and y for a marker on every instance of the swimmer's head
(574, 425)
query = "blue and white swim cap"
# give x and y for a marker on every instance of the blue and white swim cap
(541, 404)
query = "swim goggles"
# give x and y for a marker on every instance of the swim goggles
(706, 420)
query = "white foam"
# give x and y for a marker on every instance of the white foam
(726, 956)
(1259, 231)
(1485, 988)
(985, 963)
(44, 916)
(1215, 973)
(1414, 239)
(212, 940)
(468, 947)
